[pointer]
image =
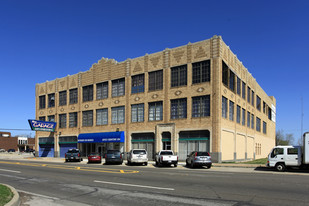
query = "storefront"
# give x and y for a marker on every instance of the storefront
(144, 141)
(46, 147)
(66, 143)
(101, 142)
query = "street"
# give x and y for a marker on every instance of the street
(57, 183)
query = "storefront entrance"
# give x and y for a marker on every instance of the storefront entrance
(144, 141)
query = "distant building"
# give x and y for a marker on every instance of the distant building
(17, 143)
(194, 97)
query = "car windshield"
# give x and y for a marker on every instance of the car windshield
(73, 151)
(167, 153)
(139, 152)
(202, 154)
(115, 152)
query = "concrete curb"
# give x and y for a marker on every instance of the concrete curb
(15, 201)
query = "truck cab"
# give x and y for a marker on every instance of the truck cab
(282, 157)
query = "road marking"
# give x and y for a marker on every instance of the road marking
(131, 185)
(10, 171)
(35, 194)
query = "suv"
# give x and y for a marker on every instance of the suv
(73, 154)
(113, 156)
(137, 156)
(198, 159)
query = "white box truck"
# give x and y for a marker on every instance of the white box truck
(282, 157)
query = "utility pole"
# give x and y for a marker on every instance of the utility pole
(302, 117)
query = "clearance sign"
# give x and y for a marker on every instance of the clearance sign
(37, 125)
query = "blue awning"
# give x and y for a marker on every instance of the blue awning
(101, 137)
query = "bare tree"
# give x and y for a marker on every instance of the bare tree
(284, 139)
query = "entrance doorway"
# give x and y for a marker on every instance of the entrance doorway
(101, 149)
(166, 141)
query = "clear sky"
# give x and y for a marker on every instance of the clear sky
(45, 40)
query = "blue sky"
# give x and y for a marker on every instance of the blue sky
(44, 40)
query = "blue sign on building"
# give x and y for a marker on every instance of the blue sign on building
(37, 125)
(101, 137)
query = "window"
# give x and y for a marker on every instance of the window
(238, 114)
(258, 103)
(243, 117)
(155, 111)
(231, 110)
(102, 90)
(224, 107)
(264, 107)
(264, 127)
(248, 119)
(87, 93)
(201, 72)
(51, 100)
(137, 113)
(42, 102)
(73, 96)
(155, 80)
(87, 118)
(118, 87)
(102, 116)
(258, 124)
(73, 119)
(62, 98)
(201, 106)
(118, 115)
(276, 151)
(243, 90)
(179, 108)
(269, 113)
(248, 94)
(42, 118)
(292, 151)
(179, 76)
(225, 74)
(138, 84)
(62, 120)
(252, 121)
(232, 81)
(51, 118)
(252, 98)
(238, 86)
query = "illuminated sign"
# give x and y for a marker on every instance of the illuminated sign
(37, 125)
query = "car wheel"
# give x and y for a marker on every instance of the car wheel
(280, 167)
(146, 163)
(129, 163)
(209, 166)
(192, 165)
(66, 160)
(187, 164)
(175, 165)
(156, 163)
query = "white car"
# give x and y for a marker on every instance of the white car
(137, 156)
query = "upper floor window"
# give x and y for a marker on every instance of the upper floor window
(118, 87)
(73, 96)
(225, 74)
(252, 98)
(258, 103)
(87, 93)
(179, 108)
(224, 107)
(179, 76)
(243, 90)
(51, 100)
(155, 80)
(243, 117)
(62, 120)
(155, 111)
(118, 114)
(87, 118)
(137, 112)
(42, 118)
(102, 116)
(62, 98)
(102, 90)
(252, 121)
(238, 114)
(138, 84)
(264, 127)
(238, 83)
(231, 110)
(248, 94)
(51, 118)
(248, 119)
(73, 119)
(201, 72)
(232, 81)
(201, 106)
(258, 124)
(42, 101)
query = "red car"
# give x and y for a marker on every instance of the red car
(94, 157)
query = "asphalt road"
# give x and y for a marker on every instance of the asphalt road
(42, 183)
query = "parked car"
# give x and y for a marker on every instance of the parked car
(94, 157)
(11, 150)
(113, 156)
(29, 150)
(73, 155)
(199, 159)
(166, 157)
(137, 156)
(2, 150)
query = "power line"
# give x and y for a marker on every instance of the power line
(16, 129)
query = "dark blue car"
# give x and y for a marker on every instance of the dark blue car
(113, 156)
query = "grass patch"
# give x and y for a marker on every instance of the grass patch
(262, 161)
(5, 195)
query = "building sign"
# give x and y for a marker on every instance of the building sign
(37, 125)
(102, 137)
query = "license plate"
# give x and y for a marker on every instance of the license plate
(169, 161)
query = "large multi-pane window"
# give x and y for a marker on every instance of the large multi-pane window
(243, 90)
(51, 118)
(118, 87)
(252, 98)
(51, 100)
(264, 127)
(224, 107)
(258, 124)
(102, 116)
(87, 118)
(231, 111)
(248, 94)
(73, 96)
(179, 76)
(155, 111)
(238, 83)
(118, 115)
(201, 72)
(238, 114)
(155, 80)
(62, 120)
(232, 81)
(248, 119)
(42, 102)
(73, 119)
(42, 118)
(62, 98)
(138, 84)
(87, 93)
(102, 90)
(243, 117)
(258, 103)
(179, 108)
(252, 121)
(201, 106)
(137, 112)
(225, 74)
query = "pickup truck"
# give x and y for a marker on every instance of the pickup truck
(73, 155)
(166, 157)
